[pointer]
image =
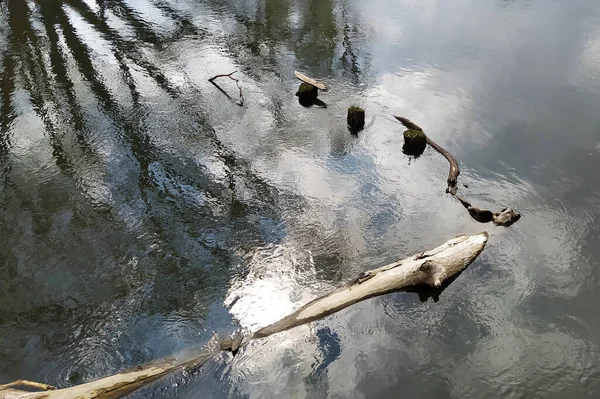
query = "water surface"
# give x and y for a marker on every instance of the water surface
(142, 211)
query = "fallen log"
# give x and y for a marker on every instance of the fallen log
(310, 81)
(430, 269)
(112, 387)
(433, 269)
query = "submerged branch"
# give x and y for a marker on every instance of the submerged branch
(453, 172)
(237, 82)
(505, 217)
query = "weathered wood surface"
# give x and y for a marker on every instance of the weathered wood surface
(310, 81)
(112, 387)
(429, 268)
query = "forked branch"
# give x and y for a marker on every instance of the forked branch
(239, 102)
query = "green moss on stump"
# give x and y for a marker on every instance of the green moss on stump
(307, 91)
(356, 118)
(415, 142)
(307, 95)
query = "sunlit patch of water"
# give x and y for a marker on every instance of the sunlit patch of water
(279, 279)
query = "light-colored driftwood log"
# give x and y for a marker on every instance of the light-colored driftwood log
(310, 81)
(112, 387)
(431, 269)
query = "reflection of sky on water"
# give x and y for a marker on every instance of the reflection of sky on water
(499, 87)
(510, 87)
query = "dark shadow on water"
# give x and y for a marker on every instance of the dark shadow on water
(426, 292)
(308, 102)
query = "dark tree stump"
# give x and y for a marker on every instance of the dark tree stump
(356, 119)
(415, 142)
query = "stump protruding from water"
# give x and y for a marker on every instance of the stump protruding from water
(308, 91)
(415, 142)
(356, 118)
(307, 94)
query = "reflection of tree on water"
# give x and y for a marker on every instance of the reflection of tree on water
(47, 56)
(330, 350)
(320, 34)
(52, 90)
(50, 86)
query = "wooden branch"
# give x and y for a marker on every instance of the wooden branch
(505, 217)
(310, 81)
(30, 385)
(237, 82)
(112, 387)
(431, 269)
(453, 172)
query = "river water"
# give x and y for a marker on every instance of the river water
(143, 211)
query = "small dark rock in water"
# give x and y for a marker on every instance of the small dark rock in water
(415, 142)
(356, 119)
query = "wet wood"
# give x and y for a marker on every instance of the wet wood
(239, 102)
(310, 81)
(453, 172)
(505, 217)
(431, 268)
(112, 387)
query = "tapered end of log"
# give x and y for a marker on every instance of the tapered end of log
(310, 81)
(408, 123)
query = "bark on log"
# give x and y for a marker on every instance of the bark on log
(310, 81)
(429, 268)
(112, 387)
